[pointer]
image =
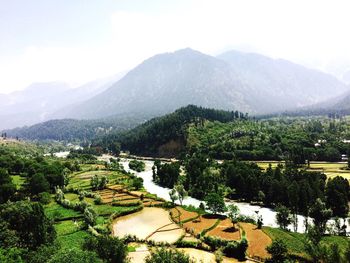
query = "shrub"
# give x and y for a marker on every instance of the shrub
(44, 198)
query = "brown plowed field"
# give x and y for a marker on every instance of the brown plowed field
(257, 240)
(225, 230)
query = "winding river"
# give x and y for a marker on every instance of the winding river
(268, 215)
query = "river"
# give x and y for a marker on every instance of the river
(268, 214)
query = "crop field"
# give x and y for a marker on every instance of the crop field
(225, 230)
(331, 169)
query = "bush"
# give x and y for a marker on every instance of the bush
(168, 256)
(44, 198)
(75, 255)
(110, 249)
(236, 249)
(98, 200)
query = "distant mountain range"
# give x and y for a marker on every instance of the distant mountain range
(234, 80)
(43, 101)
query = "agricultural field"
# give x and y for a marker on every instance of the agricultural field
(150, 223)
(331, 169)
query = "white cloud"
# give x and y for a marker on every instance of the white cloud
(312, 32)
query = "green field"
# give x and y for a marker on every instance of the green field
(328, 168)
(295, 241)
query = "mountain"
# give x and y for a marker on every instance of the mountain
(166, 82)
(70, 130)
(285, 84)
(166, 135)
(234, 80)
(43, 101)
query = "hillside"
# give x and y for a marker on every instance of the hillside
(286, 84)
(234, 80)
(44, 101)
(75, 130)
(166, 135)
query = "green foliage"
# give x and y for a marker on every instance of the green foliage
(29, 224)
(233, 213)
(90, 216)
(337, 193)
(74, 255)
(236, 249)
(278, 250)
(110, 249)
(7, 188)
(181, 192)
(98, 183)
(44, 198)
(320, 214)
(151, 137)
(164, 255)
(215, 203)
(11, 255)
(283, 217)
(137, 166)
(38, 184)
(166, 174)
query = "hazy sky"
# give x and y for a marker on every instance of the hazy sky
(80, 40)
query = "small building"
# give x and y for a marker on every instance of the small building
(344, 157)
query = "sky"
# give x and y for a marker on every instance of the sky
(81, 40)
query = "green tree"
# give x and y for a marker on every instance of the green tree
(320, 215)
(233, 213)
(215, 203)
(283, 217)
(74, 255)
(90, 216)
(11, 255)
(181, 192)
(173, 196)
(278, 250)
(7, 188)
(110, 249)
(29, 222)
(164, 255)
(38, 184)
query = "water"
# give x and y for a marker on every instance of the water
(268, 214)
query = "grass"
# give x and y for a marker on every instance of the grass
(69, 234)
(295, 241)
(56, 211)
(108, 209)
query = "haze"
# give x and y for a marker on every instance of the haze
(77, 41)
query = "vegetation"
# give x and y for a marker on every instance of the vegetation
(164, 255)
(137, 166)
(166, 136)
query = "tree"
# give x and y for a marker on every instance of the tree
(110, 249)
(181, 192)
(215, 203)
(283, 217)
(337, 196)
(29, 223)
(90, 216)
(164, 255)
(7, 187)
(278, 250)
(74, 255)
(38, 184)
(233, 213)
(320, 215)
(173, 196)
